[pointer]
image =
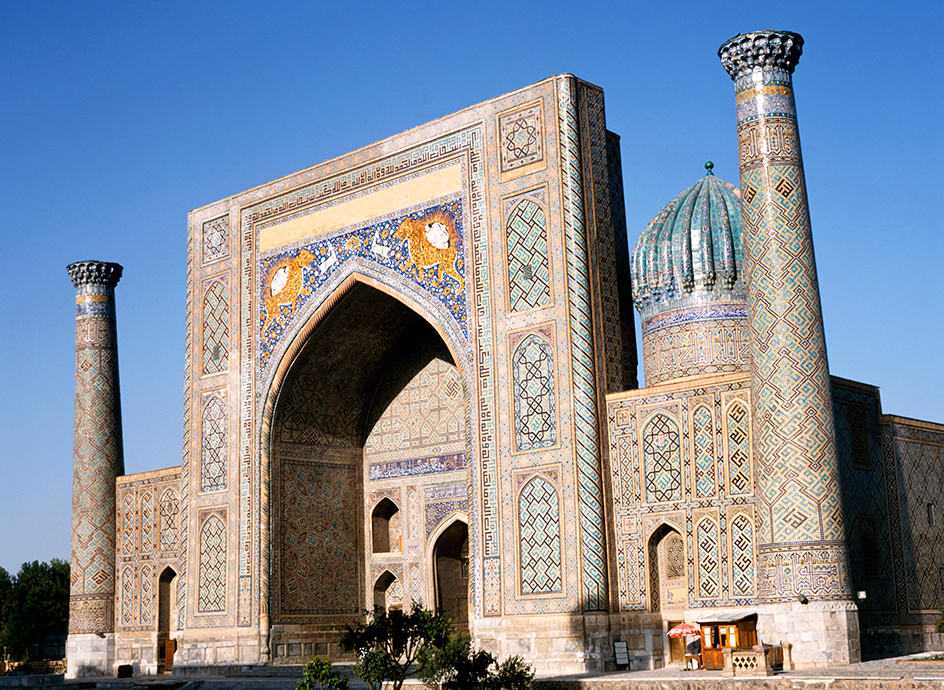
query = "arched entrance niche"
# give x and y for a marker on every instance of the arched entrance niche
(166, 614)
(668, 581)
(449, 570)
(366, 411)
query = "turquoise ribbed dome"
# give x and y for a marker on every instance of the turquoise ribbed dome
(691, 251)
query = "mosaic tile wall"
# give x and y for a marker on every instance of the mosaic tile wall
(97, 450)
(498, 248)
(148, 542)
(680, 464)
(800, 531)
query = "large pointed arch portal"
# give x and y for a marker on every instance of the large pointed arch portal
(347, 370)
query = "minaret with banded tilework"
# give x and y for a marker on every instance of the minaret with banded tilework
(801, 549)
(97, 460)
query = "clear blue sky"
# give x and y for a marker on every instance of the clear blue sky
(117, 118)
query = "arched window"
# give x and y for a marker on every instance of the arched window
(385, 527)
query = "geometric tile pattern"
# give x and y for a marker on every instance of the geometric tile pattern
(215, 326)
(533, 388)
(529, 281)
(704, 465)
(128, 591)
(739, 450)
(705, 339)
(593, 550)
(645, 520)
(212, 592)
(662, 460)
(128, 524)
(521, 137)
(146, 596)
(318, 541)
(428, 411)
(540, 546)
(147, 522)
(97, 454)
(709, 561)
(798, 492)
(169, 510)
(742, 556)
(213, 465)
(216, 239)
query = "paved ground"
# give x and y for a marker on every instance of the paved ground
(286, 677)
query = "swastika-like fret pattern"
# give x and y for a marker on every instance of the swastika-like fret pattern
(128, 591)
(212, 588)
(147, 522)
(128, 526)
(146, 603)
(662, 459)
(213, 458)
(540, 545)
(216, 326)
(742, 556)
(534, 396)
(529, 281)
(709, 560)
(739, 450)
(704, 466)
(800, 537)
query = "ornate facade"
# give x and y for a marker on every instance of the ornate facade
(411, 375)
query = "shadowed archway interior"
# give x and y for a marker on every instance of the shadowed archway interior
(352, 366)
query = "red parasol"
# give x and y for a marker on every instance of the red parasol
(684, 630)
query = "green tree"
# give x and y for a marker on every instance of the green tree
(6, 585)
(36, 605)
(389, 643)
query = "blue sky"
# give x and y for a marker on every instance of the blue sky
(117, 118)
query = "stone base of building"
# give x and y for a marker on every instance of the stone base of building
(206, 652)
(822, 633)
(89, 655)
(567, 644)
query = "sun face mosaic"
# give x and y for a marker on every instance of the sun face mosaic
(425, 246)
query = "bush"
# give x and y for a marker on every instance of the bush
(455, 666)
(939, 624)
(319, 675)
(391, 641)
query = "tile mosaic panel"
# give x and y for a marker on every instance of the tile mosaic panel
(799, 494)
(521, 138)
(533, 389)
(214, 432)
(539, 527)
(586, 424)
(425, 246)
(216, 236)
(216, 325)
(318, 537)
(526, 257)
(211, 597)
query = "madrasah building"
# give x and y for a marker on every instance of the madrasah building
(411, 375)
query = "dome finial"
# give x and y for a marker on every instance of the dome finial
(708, 166)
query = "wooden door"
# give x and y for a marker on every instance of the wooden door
(169, 648)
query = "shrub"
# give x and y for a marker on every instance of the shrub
(319, 675)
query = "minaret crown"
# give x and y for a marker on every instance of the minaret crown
(760, 49)
(94, 273)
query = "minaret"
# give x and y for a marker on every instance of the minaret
(97, 460)
(801, 551)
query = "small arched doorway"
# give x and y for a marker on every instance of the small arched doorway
(668, 584)
(450, 555)
(385, 527)
(166, 618)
